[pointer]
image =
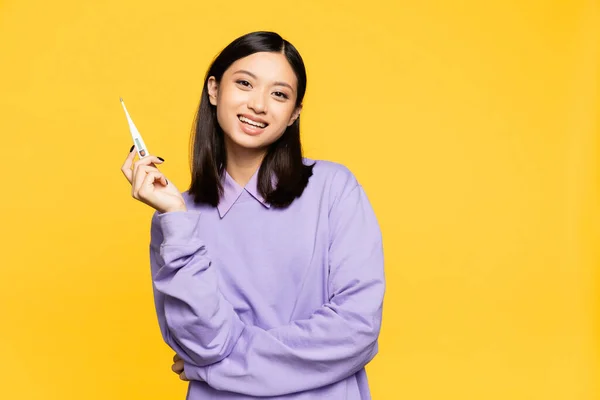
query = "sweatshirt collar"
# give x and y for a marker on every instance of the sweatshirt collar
(232, 191)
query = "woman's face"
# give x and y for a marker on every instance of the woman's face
(255, 100)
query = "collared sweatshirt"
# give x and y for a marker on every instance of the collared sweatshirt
(261, 301)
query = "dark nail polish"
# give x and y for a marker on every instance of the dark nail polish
(167, 181)
(160, 158)
(131, 149)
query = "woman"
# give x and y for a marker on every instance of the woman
(268, 271)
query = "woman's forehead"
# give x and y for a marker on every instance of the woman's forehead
(267, 66)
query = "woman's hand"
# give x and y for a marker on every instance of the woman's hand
(150, 186)
(177, 367)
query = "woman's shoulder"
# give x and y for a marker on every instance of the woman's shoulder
(334, 175)
(329, 169)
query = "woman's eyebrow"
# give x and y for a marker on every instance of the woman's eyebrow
(243, 71)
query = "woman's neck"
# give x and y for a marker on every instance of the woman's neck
(242, 163)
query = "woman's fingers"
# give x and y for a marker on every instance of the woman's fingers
(126, 168)
(139, 175)
(143, 184)
(177, 367)
(148, 160)
(143, 176)
(129, 168)
(147, 187)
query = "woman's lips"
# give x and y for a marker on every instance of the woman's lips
(253, 120)
(250, 129)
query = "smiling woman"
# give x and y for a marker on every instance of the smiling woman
(268, 272)
(250, 107)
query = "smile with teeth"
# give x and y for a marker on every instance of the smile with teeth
(253, 123)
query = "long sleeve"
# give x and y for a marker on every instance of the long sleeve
(336, 341)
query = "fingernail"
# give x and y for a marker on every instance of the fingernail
(167, 181)
(160, 158)
(131, 149)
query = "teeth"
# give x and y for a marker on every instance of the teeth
(254, 123)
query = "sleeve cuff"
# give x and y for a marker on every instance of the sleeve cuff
(178, 227)
(195, 373)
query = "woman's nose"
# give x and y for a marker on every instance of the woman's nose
(257, 102)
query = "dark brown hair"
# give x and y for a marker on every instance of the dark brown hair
(283, 161)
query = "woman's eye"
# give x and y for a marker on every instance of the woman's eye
(281, 94)
(243, 83)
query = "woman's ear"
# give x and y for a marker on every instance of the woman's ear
(295, 115)
(213, 89)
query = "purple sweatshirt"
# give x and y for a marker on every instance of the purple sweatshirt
(267, 302)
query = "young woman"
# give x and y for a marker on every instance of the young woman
(268, 271)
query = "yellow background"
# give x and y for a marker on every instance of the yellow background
(471, 124)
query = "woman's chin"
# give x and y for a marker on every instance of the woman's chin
(248, 142)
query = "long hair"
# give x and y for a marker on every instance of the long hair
(283, 160)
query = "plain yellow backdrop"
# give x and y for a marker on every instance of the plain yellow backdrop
(472, 125)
